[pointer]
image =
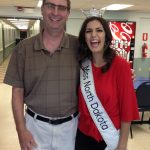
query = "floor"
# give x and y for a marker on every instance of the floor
(9, 140)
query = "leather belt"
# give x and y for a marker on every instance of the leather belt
(51, 121)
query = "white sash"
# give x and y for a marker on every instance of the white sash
(100, 117)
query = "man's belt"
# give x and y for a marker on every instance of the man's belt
(51, 121)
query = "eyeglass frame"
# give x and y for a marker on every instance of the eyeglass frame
(52, 6)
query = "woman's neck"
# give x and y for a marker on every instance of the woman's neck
(98, 60)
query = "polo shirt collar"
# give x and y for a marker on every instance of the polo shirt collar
(38, 45)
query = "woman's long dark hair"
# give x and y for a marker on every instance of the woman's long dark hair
(84, 51)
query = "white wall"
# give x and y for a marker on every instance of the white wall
(35, 28)
(142, 25)
(9, 34)
(73, 25)
(1, 46)
(12, 12)
(145, 28)
(132, 17)
(76, 18)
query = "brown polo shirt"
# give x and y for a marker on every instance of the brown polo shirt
(49, 81)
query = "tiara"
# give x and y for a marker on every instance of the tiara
(93, 12)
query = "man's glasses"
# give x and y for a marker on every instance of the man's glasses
(52, 6)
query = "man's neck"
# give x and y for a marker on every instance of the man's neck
(52, 40)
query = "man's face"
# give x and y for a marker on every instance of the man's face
(55, 14)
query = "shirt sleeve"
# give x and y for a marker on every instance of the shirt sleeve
(126, 93)
(15, 71)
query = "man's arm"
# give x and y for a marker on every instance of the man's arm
(25, 138)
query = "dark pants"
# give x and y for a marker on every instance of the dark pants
(84, 142)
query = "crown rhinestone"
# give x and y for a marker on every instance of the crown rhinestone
(93, 12)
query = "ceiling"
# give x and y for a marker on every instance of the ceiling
(139, 5)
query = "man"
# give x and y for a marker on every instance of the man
(43, 72)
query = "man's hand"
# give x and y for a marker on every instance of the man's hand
(132, 71)
(133, 74)
(26, 140)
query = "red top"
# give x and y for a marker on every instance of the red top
(115, 90)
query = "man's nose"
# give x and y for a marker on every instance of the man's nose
(55, 10)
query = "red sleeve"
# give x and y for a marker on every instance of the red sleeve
(126, 93)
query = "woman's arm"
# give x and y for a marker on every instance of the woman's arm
(124, 134)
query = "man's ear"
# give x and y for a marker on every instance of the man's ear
(68, 14)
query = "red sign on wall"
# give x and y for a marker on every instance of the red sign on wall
(145, 36)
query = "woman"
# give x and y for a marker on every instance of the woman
(107, 101)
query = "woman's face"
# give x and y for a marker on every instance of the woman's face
(95, 36)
